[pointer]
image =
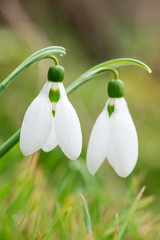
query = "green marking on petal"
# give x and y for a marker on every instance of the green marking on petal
(54, 95)
(110, 109)
(53, 113)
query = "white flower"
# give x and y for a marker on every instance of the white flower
(49, 121)
(113, 137)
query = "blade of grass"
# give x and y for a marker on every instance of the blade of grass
(132, 210)
(87, 216)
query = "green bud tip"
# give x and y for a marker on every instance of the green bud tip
(56, 73)
(116, 88)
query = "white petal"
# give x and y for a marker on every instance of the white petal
(51, 141)
(123, 141)
(55, 85)
(67, 127)
(36, 123)
(97, 147)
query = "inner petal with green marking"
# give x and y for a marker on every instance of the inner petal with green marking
(53, 113)
(110, 109)
(54, 95)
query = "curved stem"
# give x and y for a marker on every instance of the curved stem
(102, 68)
(37, 56)
(85, 78)
(88, 75)
(54, 59)
(115, 72)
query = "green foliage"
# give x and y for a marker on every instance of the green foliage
(62, 201)
(40, 197)
(43, 201)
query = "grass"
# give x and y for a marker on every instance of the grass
(67, 203)
(46, 196)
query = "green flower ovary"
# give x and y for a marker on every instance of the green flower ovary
(116, 89)
(54, 95)
(56, 74)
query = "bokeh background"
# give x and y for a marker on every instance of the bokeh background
(40, 195)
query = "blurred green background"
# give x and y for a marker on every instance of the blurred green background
(40, 195)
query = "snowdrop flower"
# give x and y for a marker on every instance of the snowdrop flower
(51, 120)
(114, 135)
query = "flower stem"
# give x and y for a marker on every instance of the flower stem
(102, 68)
(85, 77)
(53, 58)
(37, 56)
(11, 142)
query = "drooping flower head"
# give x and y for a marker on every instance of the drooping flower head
(114, 135)
(51, 120)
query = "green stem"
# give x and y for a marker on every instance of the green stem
(12, 141)
(115, 72)
(85, 77)
(102, 68)
(37, 56)
(54, 59)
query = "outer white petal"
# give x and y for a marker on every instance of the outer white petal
(97, 147)
(36, 123)
(67, 127)
(51, 141)
(123, 141)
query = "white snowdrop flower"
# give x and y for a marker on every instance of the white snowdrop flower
(51, 120)
(114, 135)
